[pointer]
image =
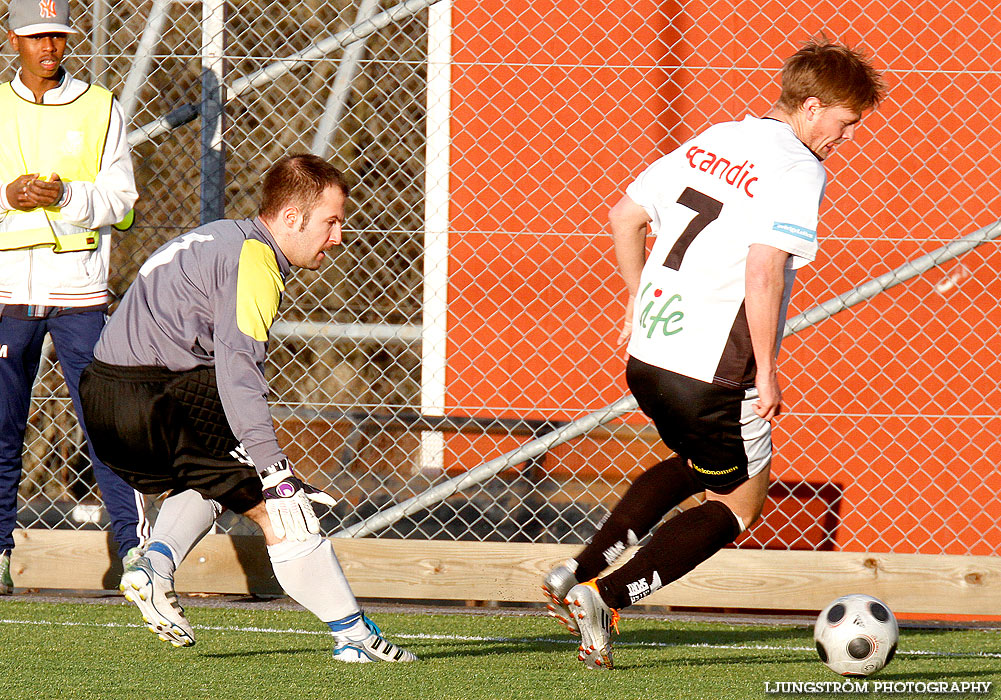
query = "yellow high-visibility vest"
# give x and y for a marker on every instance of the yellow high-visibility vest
(67, 139)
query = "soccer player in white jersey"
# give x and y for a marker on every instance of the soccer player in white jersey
(735, 213)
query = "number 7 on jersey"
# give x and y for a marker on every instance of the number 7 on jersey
(706, 211)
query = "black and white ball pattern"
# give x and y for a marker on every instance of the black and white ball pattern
(856, 635)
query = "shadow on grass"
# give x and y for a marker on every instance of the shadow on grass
(640, 641)
(771, 635)
(632, 652)
(473, 649)
(457, 649)
(625, 660)
(259, 652)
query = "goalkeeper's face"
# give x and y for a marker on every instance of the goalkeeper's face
(319, 230)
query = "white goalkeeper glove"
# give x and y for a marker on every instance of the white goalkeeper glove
(290, 503)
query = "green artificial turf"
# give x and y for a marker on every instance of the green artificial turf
(78, 651)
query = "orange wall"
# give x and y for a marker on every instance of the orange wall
(558, 105)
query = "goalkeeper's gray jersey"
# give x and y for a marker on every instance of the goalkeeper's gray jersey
(208, 298)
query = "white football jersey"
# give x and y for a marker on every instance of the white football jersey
(733, 185)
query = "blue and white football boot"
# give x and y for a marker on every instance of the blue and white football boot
(372, 648)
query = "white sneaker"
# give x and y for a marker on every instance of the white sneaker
(372, 648)
(556, 585)
(596, 621)
(154, 595)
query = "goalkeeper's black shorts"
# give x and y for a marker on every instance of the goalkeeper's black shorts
(713, 427)
(166, 431)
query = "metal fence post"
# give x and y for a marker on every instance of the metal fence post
(213, 165)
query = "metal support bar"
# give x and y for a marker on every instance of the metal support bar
(143, 59)
(627, 403)
(347, 69)
(915, 267)
(529, 450)
(186, 113)
(99, 42)
(379, 332)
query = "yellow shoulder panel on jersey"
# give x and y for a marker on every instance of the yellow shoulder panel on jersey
(258, 290)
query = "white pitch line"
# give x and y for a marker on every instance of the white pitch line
(518, 640)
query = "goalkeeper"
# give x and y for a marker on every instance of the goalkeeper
(175, 400)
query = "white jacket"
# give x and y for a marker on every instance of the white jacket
(38, 276)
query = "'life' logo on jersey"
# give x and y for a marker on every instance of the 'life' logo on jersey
(3, 351)
(656, 311)
(723, 169)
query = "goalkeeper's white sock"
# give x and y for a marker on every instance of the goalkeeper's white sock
(351, 628)
(309, 572)
(183, 520)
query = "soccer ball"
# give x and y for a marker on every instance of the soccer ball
(856, 635)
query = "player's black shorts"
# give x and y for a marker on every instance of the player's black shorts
(714, 427)
(161, 430)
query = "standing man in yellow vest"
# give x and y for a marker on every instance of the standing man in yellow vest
(65, 179)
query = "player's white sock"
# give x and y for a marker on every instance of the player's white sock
(309, 572)
(183, 520)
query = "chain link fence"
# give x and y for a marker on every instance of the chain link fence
(474, 306)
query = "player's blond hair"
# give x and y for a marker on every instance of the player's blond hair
(834, 74)
(298, 179)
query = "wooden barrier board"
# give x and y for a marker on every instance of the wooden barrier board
(508, 572)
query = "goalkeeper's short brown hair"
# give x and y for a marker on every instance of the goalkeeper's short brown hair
(298, 179)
